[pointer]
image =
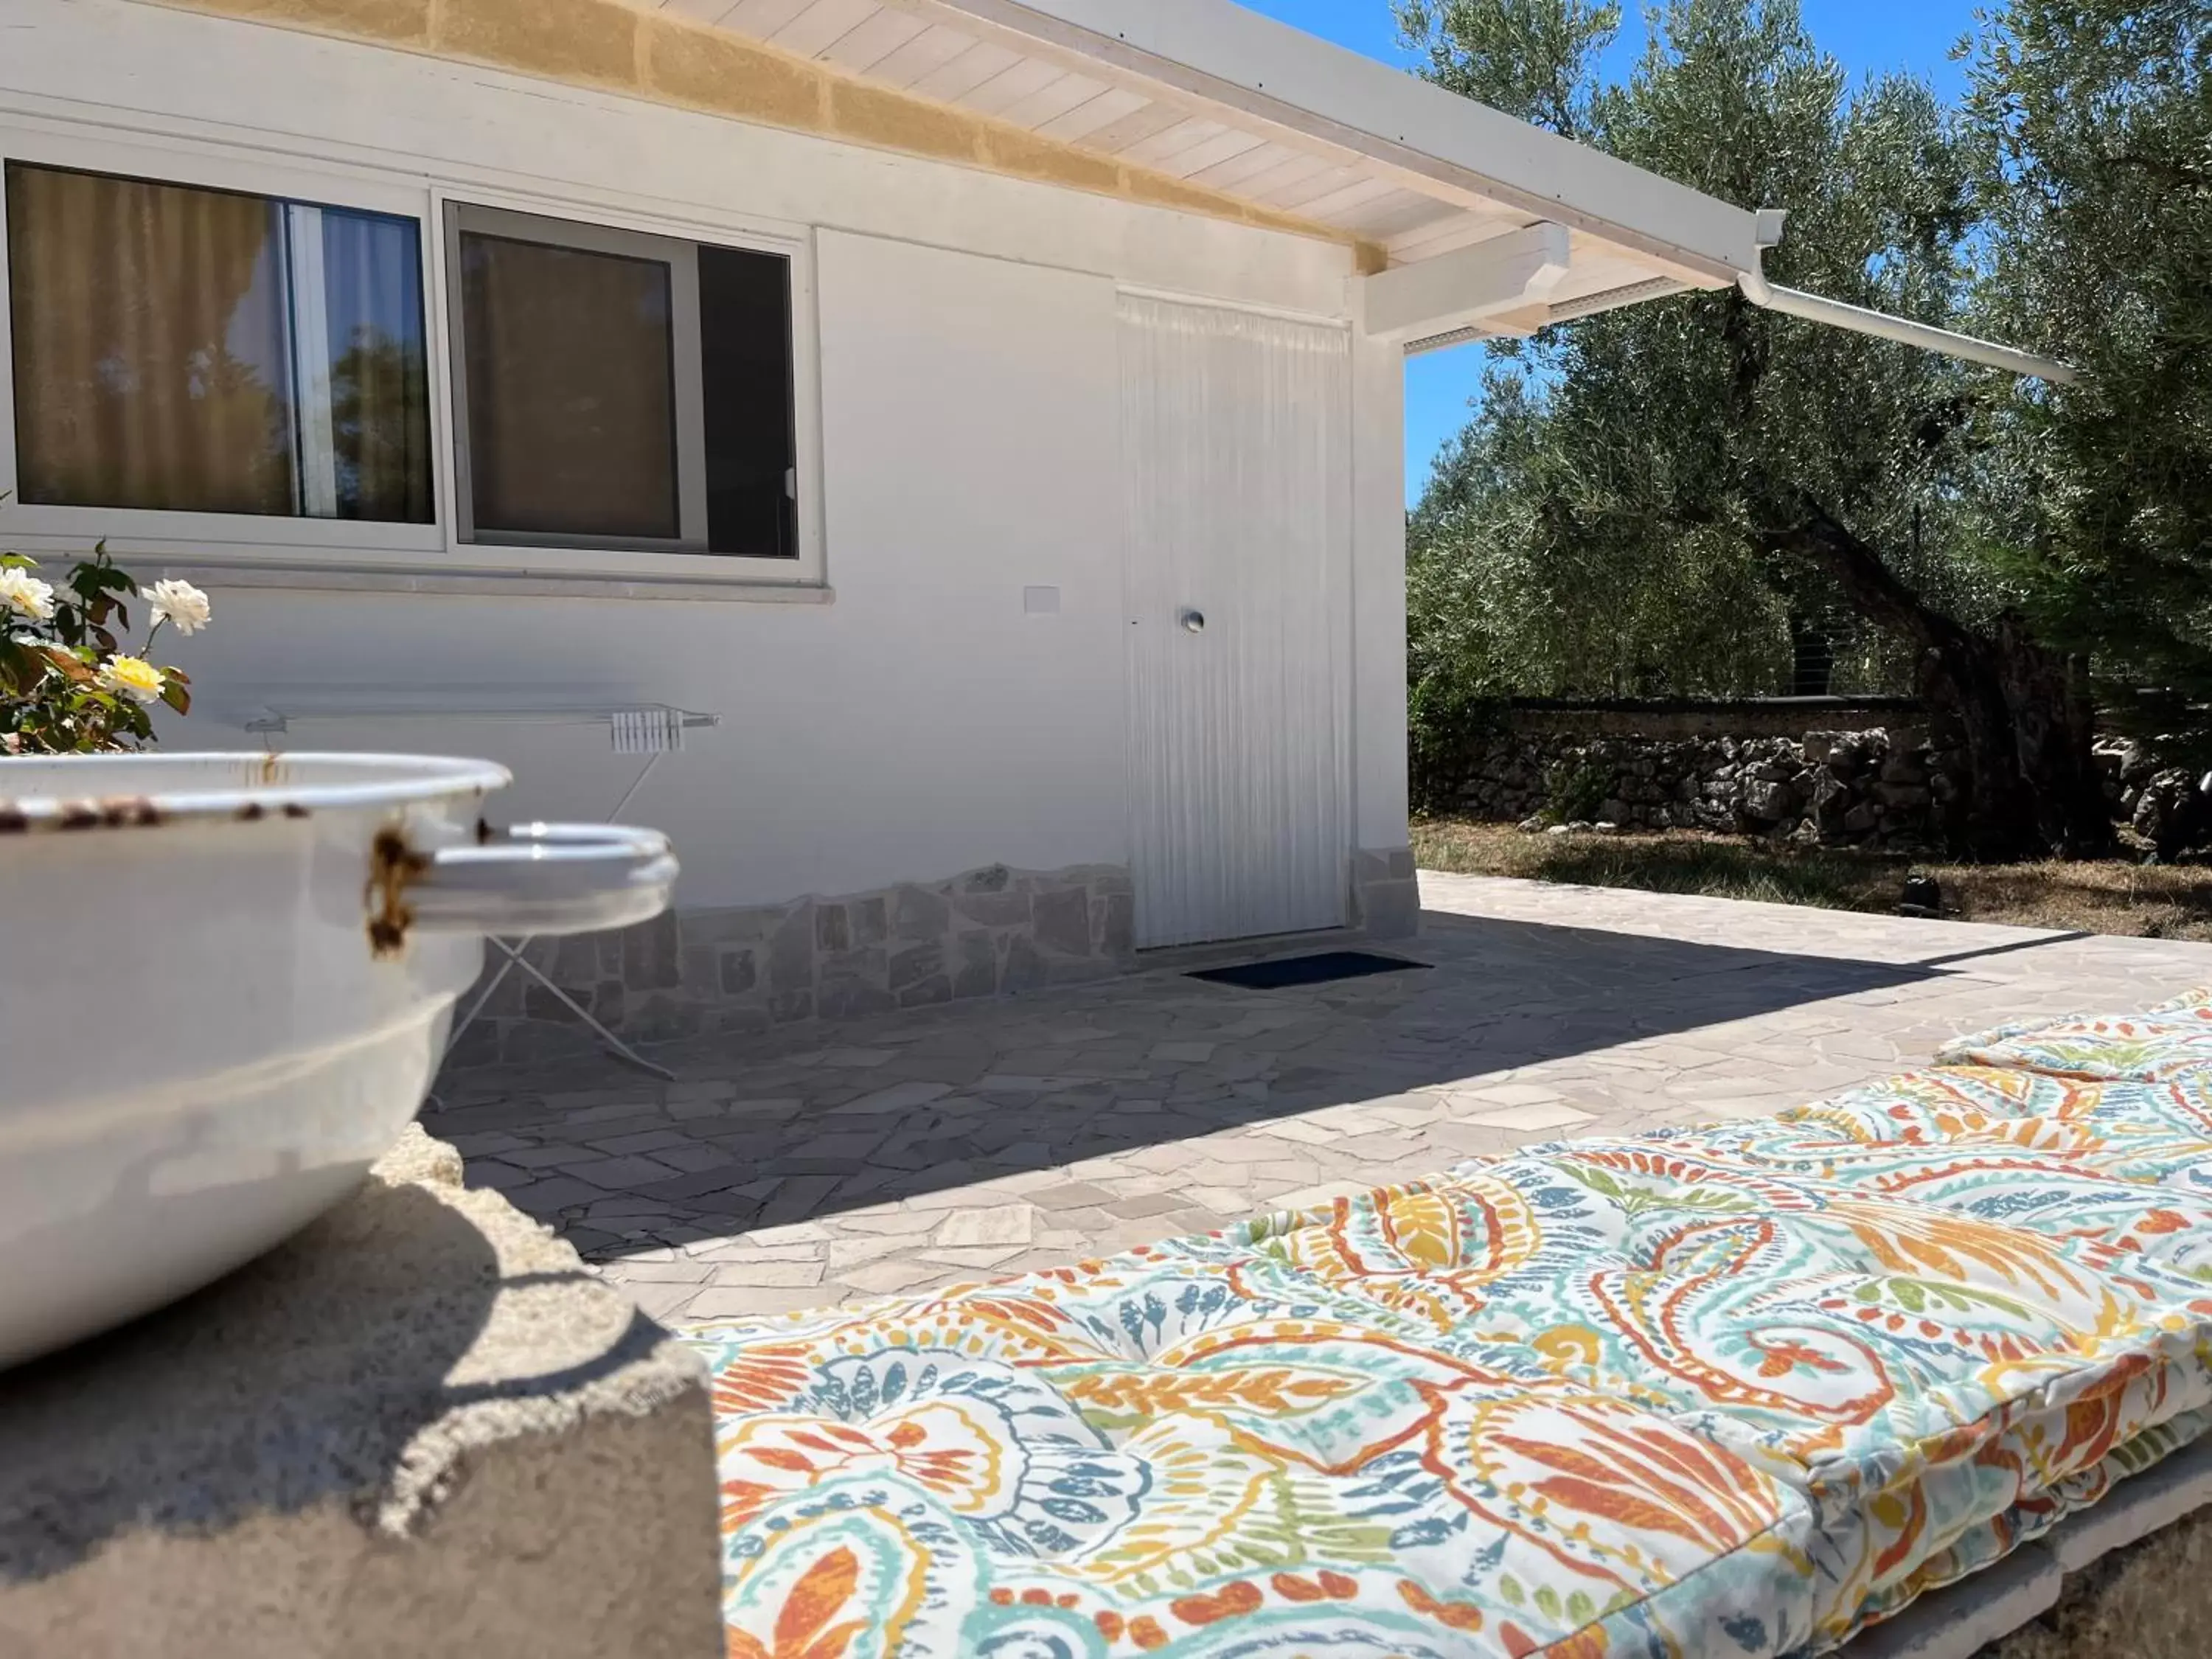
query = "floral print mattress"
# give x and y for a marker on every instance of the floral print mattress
(1734, 1390)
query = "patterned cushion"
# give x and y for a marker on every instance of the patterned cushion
(1131, 1460)
(2172, 1041)
(1739, 1390)
(1914, 1368)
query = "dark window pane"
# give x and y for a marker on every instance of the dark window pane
(571, 391)
(151, 361)
(745, 330)
(379, 379)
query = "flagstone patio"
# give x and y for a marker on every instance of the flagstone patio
(839, 1162)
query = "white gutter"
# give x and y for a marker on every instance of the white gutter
(1859, 320)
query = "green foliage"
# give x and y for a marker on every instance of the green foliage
(1574, 790)
(1448, 719)
(1616, 519)
(1530, 61)
(1596, 529)
(2091, 122)
(1515, 587)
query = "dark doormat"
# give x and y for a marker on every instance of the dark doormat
(1285, 972)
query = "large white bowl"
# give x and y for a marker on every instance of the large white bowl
(225, 984)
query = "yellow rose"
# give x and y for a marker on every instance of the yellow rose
(130, 677)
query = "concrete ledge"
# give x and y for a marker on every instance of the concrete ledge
(2130, 1578)
(1956, 1621)
(420, 1428)
(2141, 1505)
(2150, 1600)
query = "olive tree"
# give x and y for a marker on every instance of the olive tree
(1768, 466)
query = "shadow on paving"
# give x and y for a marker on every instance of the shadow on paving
(764, 1131)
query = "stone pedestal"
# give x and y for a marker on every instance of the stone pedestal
(1386, 894)
(418, 1428)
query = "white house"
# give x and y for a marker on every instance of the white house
(988, 411)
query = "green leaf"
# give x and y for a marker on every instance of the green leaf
(174, 693)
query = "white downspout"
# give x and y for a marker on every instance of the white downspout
(1859, 320)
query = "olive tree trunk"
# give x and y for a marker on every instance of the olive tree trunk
(2032, 789)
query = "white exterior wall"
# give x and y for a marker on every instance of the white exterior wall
(917, 723)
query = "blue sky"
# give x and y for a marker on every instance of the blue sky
(1869, 36)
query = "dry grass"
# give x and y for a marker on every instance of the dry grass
(2110, 896)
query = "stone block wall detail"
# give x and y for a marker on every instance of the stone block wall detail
(699, 973)
(1385, 894)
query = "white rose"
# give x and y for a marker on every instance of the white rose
(21, 591)
(183, 607)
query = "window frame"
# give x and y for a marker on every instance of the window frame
(354, 554)
(731, 570)
(688, 413)
(78, 526)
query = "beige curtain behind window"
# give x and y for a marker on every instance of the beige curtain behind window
(149, 345)
(571, 391)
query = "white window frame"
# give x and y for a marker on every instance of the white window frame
(686, 333)
(354, 554)
(37, 527)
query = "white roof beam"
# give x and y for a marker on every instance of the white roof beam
(1496, 285)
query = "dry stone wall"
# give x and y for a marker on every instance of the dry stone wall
(1876, 786)
(2169, 807)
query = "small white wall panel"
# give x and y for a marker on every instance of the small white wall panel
(1237, 471)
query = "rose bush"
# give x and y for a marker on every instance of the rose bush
(67, 685)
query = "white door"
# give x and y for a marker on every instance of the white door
(1236, 454)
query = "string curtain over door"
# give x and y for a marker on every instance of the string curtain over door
(1236, 452)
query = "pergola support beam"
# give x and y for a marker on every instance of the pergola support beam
(1484, 285)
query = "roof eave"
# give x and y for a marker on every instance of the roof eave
(1221, 51)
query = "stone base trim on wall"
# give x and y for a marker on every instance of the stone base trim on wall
(1386, 896)
(702, 973)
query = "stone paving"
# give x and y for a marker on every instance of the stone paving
(838, 1163)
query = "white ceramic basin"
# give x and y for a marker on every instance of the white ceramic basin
(225, 984)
